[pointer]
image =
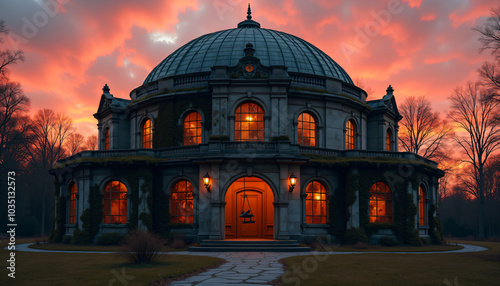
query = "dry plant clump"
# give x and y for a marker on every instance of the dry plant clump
(140, 246)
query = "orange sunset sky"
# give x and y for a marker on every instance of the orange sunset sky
(74, 47)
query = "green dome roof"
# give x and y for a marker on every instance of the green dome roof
(225, 48)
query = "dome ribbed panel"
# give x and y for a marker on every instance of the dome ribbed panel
(225, 48)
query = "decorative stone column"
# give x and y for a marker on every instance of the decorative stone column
(282, 204)
(216, 205)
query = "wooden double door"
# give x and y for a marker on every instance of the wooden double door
(259, 202)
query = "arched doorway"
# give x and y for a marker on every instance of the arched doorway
(259, 199)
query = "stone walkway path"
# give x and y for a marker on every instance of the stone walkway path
(250, 268)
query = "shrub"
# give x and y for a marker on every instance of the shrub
(140, 246)
(177, 241)
(354, 235)
(79, 237)
(388, 241)
(112, 238)
(361, 245)
(425, 240)
(67, 239)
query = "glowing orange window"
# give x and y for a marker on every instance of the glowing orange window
(115, 203)
(72, 203)
(181, 202)
(350, 135)
(388, 139)
(316, 212)
(380, 203)
(192, 129)
(147, 134)
(306, 130)
(107, 139)
(421, 205)
(249, 123)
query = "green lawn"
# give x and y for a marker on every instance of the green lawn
(94, 269)
(91, 247)
(426, 248)
(481, 268)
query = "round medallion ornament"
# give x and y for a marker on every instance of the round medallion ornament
(249, 68)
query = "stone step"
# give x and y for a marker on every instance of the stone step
(209, 242)
(209, 245)
(249, 249)
(248, 245)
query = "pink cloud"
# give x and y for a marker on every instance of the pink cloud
(427, 48)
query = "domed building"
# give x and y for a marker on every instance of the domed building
(248, 133)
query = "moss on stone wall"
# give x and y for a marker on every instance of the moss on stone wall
(91, 217)
(59, 230)
(168, 133)
(435, 231)
(135, 161)
(370, 171)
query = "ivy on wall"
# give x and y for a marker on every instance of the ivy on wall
(58, 227)
(91, 218)
(168, 133)
(435, 231)
(369, 171)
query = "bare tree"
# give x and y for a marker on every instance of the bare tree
(423, 131)
(490, 33)
(13, 105)
(50, 131)
(360, 82)
(74, 143)
(7, 57)
(91, 142)
(474, 114)
(489, 72)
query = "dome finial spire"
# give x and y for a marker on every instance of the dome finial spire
(249, 12)
(249, 23)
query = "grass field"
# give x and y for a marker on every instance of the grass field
(73, 247)
(378, 248)
(453, 269)
(93, 269)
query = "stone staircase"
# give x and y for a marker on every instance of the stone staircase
(208, 245)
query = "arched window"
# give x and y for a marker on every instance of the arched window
(115, 203)
(388, 139)
(147, 134)
(249, 122)
(422, 197)
(107, 139)
(306, 130)
(192, 128)
(316, 207)
(181, 202)
(72, 203)
(350, 135)
(380, 203)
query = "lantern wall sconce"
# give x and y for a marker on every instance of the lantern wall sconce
(293, 181)
(206, 181)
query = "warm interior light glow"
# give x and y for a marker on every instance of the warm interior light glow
(293, 181)
(192, 128)
(249, 122)
(181, 203)
(316, 203)
(380, 203)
